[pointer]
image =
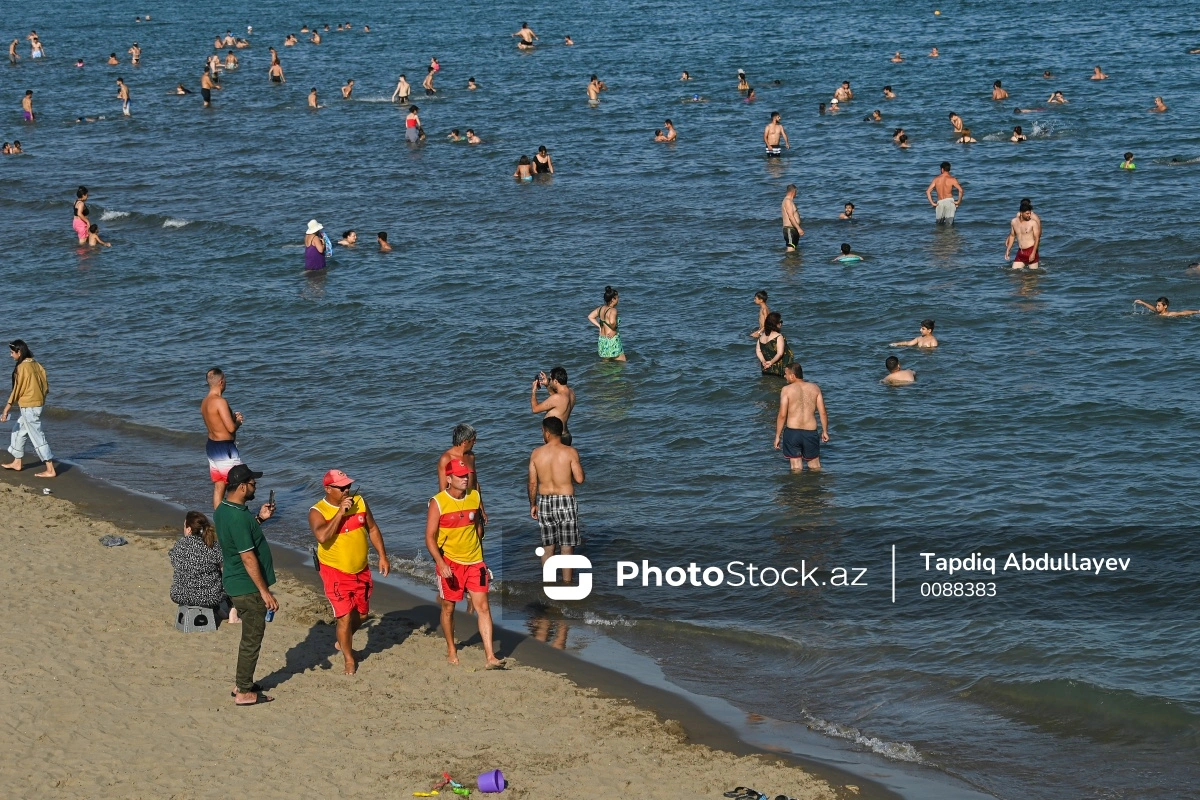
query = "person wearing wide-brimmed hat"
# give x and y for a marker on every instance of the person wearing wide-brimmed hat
(314, 246)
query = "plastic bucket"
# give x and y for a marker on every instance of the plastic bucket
(492, 781)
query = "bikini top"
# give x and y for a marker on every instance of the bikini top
(600, 318)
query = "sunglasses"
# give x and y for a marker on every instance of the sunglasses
(345, 488)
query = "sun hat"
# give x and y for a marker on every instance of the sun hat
(314, 226)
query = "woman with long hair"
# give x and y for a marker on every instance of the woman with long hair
(773, 351)
(196, 560)
(29, 390)
(608, 321)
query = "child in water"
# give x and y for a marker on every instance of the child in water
(94, 239)
(1128, 162)
(846, 256)
(926, 339)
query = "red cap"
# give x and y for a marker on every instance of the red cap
(335, 477)
(458, 467)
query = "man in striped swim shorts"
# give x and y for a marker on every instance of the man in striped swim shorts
(222, 425)
(554, 469)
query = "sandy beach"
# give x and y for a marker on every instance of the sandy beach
(104, 698)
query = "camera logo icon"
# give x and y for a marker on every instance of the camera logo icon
(550, 572)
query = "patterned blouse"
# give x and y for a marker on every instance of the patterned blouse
(197, 579)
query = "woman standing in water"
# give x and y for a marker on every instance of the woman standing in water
(772, 349)
(314, 246)
(608, 321)
(413, 132)
(80, 222)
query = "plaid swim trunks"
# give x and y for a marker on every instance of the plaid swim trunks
(558, 520)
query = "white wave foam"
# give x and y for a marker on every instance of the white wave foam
(107, 215)
(897, 751)
(176, 223)
(591, 619)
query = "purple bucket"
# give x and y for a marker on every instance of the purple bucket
(492, 781)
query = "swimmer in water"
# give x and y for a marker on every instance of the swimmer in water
(123, 96)
(956, 122)
(413, 132)
(846, 256)
(888, 94)
(833, 106)
(93, 238)
(402, 91)
(349, 239)
(568, 41)
(926, 339)
(750, 95)
(1057, 99)
(999, 92)
(670, 134)
(848, 212)
(896, 59)
(136, 53)
(348, 89)
(760, 300)
(1027, 110)
(874, 116)
(1047, 75)
(843, 92)
(933, 53)
(743, 84)
(1159, 105)
(455, 137)
(594, 88)
(791, 219)
(902, 142)
(1161, 307)
(821, 109)
(658, 135)
(1017, 135)
(773, 133)
(471, 84)
(179, 89)
(427, 84)
(526, 35)
(206, 86)
(1098, 74)
(1128, 162)
(27, 106)
(896, 134)
(473, 139)
(1026, 232)
(275, 73)
(312, 98)
(685, 76)
(965, 137)
(315, 38)
(231, 61)
(112, 60)
(290, 40)
(16, 149)
(524, 169)
(895, 374)
(13, 57)
(384, 247)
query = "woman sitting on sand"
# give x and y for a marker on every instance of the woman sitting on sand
(196, 559)
(772, 349)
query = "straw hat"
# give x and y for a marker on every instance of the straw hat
(314, 226)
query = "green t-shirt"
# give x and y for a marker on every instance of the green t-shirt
(238, 531)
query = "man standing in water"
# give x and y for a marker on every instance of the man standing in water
(453, 540)
(791, 219)
(206, 87)
(554, 469)
(594, 88)
(222, 425)
(526, 35)
(773, 133)
(27, 106)
(1026, 231)
(123, 96)
(560, 399)
(944, 184)
(796, 426)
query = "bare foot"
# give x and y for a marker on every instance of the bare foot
(496, 663)
(15, 465)
(351, 666)
(453, 658)
(49, 473)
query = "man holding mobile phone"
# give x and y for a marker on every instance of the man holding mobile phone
(560, 398)
(342, 524)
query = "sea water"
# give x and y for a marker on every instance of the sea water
(1052, 417)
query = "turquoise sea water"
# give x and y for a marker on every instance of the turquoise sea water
(1052, 417)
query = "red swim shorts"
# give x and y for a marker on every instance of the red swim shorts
(1027, 256)
(466, 577)
(347, 592)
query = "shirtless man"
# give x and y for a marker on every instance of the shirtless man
(525, 34)
(222, 425)
(796, 426)
(773, 133)
(895, 374)
(956, 122)
(231, 61)
(206, 87)
(944, 184)
(348, 89)
(123, 96)
(843, 92)
(670, 134)
(112, 60)
(13, 57)
(791, 219)
(1159, 105)
(403, 90)
(926, 339)
(275, 73)
(999, 92)
(594, 88)
(1162, 308)
(1026, 231)
(27, 106)
(312, 98)
(554, 469)
(1098, 74)
(560, 399)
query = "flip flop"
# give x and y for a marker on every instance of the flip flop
(253, 687)
(741, 791)
(259, 699)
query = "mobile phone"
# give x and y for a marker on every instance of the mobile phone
(271, 498)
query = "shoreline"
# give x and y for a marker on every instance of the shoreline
(157, 522)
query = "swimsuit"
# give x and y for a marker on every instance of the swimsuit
(791, 236)
(413, 132)
(944, 211)
(540, 166)
(28, 116)
(81, 227)
(206, 94)
(797, 443)
(1026, 256)
(769, 348)
(276, 79)
(609, 346)
(558, 520)
(222, 457)
(774, 150)
(314, 259)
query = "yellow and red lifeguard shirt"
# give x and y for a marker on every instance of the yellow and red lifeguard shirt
(347, 551)
(458, 536)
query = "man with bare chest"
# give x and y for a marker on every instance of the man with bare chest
(944, 184)
(1026, 232)
(800, 402)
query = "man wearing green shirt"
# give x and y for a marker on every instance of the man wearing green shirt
(248, 574)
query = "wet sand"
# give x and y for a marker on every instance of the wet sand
(104, 698)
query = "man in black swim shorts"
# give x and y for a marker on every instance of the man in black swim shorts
(796, 436)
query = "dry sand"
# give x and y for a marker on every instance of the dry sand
(103, 698)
